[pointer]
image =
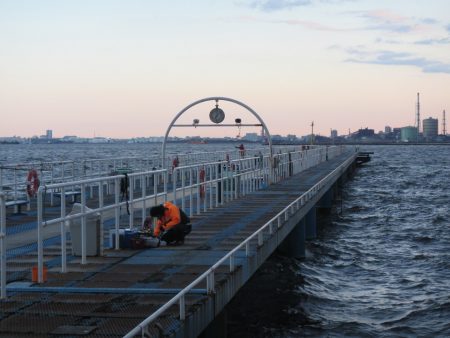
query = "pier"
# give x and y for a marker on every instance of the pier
(167, 291)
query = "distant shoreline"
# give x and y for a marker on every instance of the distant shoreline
(275, 143)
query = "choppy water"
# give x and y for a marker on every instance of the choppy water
(382, 268)
(25, 153)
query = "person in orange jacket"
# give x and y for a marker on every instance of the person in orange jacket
(172, 224)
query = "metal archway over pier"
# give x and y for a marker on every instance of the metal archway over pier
(215, 98)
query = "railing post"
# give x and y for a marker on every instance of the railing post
(143, 195)
(100, 205)
(39, 236)
(174, 180)
(2, 246)
(83, 224)
(63, 231)
(131, 203)
(191, 209)
(210, 282)
(117, 211)
(198, 192)
(155, 187)
(182, 308)
(166, 179)
(231, 263)
(183, 192)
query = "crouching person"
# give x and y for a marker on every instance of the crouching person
(172, 225)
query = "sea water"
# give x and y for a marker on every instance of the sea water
(381, 268)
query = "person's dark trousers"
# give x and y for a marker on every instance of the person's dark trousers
(174, 234)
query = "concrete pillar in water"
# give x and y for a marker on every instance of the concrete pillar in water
(326, 201)
(294, 243)
(217, 328)
(310, 224)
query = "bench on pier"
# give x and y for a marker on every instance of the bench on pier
(17, 204)
(73, 194)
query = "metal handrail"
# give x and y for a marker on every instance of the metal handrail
(299, 160)
(142, 328)
(2, 245)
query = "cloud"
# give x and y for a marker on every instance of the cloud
(448, 28)
(398, 59)
(276, 5)
(429, 21)
(311, 25)
(443, 41)
(387, 20)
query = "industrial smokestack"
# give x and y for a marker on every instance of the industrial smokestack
(444, 130)
(418, 114)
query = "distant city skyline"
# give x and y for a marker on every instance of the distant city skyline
(124, 69)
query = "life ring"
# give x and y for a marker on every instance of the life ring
(32, 183)
(202, 179)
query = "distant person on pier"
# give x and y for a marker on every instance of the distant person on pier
(175, 162)
(241, 150)
(172, 225)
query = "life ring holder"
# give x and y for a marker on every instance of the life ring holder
(32, 183)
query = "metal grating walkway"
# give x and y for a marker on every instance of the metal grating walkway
(111, 295)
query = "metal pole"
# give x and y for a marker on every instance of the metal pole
(83, 224)
(39, 236)
(2, 246)
(63, 231)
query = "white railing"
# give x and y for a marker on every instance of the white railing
(271, 227)
(13, 177)
(2, 246)
(137, 181)
(222, 181)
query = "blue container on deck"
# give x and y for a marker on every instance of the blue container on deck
(126, 237)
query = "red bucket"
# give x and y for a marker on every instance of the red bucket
(34, 274)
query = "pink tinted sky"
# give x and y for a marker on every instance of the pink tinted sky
(125, 68)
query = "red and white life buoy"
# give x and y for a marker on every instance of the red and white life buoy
(202, 179)
(32, 183)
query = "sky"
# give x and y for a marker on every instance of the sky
(126, 68)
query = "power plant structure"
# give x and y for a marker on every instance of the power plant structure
(430, 128)
(418, 115)
(408, 134)
(444, 130)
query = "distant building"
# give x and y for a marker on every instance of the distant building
(387, 130)
(49, 134)
(334, 133)
(291, 137)
(364, 133)
(409, 134)
(252, 137)
(430, 128)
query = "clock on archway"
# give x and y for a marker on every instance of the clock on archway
(216, 115)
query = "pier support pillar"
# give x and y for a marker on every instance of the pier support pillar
(335, 191)
(294, 244)
(217, 328)
(326, 202)
(310, 222)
